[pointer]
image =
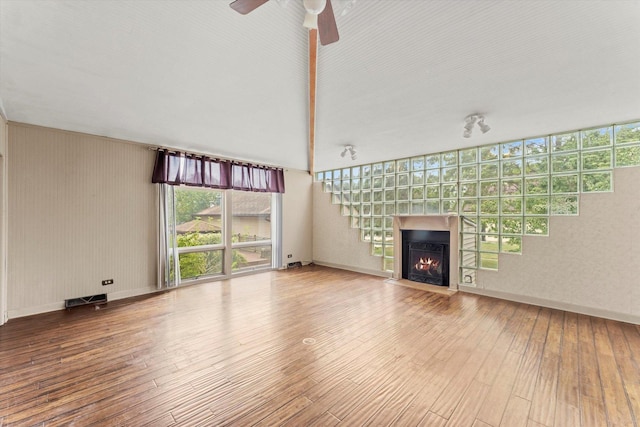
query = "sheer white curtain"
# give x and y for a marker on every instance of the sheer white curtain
(168, 271)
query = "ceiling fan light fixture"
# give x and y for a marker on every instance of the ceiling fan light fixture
(313, 8)
(483, 126)
(469, 122)
(349, 149)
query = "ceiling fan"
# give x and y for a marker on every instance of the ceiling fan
(319, 16)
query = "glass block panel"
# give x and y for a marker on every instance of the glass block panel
(346, 173)
(449, 207)
(377, 182)
(346, 185)
(564, 163)
(337, 186)
(536, 185)
(512, 167)
(319, 176)
(355, 184)
(469, 189)
(488, 261)
(538, 165)
(403, 179)
(356, 210)
(365, 235)
(389, 195)
(336, 198)
(536, 226)
(536, 205)
(337, 174)
(511, 206)
(389, 209)
(346, 198)
(489, 225)
(469, 173)
(564, 142)
(601, 137)
(433, 176)
(468, 207)
(469, 241)
(365, 223)
(417, 208)
(628, 156)
(627, 134)
(511, 244)
(417, 178)
(488, 206)
(417, 163)
(355, 172)
(432, 207)
(511, 187)
(388, 264)
(328, 186)
(376, 224)
(403, 165)
(489, 243)
(450, 158)
(328, 175)
(489, 189)
(468, 276)
(433, 161)
(402, 193)
(468, 155)
(365, 209)
(511, 225)
(469, 259)
(366, 196)
(511, 149)
(432, 191)
(564, 205)
(449, 191)
(535, 146)
(378, 195)
(389, 167)
(377, 169)
(365, 183)
(597, 159)
(345, 210)
(377, 209)
(597, 182)
(489, 170)
(355, 222)
(389, 181)
(564, 184)
(402, 208)
(366, 170)
(388, 225)
(489, 153)
(417, 193)
(450, 174)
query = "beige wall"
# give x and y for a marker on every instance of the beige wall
(4, 137)
(297, 214)
(556, 271)
(82, 209)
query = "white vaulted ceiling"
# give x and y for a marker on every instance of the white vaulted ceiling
(196, 75)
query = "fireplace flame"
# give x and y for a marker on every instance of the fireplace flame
(427, 264)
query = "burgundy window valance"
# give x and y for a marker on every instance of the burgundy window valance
(199, 171)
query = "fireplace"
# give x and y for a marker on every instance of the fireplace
(425, 256)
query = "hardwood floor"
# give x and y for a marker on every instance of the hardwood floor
(232, 353)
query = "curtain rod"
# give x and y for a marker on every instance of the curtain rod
(236, 161)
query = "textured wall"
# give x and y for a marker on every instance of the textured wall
(82, 209)
(297, 213)
(4, 136)
(588, 261)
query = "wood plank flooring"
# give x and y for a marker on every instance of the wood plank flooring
(232, 353)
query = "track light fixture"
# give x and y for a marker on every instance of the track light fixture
(349, 149)
(470, 121)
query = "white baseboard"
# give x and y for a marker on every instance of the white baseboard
(378, 273)
(590, 311)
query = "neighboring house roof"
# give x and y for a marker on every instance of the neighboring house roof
(243, 204)
(198, 226)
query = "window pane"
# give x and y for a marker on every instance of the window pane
(251, 216)
(251, 257)
(198, 216)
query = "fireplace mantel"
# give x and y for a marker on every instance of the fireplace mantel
(448, 223)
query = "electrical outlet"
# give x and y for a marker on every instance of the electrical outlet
(290, 256)
(107, 282)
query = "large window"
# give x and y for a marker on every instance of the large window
(215, 233)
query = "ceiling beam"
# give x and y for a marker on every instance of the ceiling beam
(313, 81)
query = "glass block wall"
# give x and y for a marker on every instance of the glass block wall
(501, 191)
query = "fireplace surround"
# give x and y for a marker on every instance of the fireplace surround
(431, 223)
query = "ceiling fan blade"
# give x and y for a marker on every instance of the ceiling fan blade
(246, 6)
(327, 28)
